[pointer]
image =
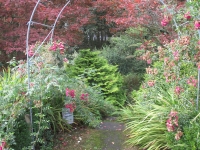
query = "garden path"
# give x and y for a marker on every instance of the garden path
(108, 136)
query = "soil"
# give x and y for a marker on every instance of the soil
(108, 136)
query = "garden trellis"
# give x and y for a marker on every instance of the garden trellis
(29, 59)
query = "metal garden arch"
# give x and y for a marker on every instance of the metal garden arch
(50, 34)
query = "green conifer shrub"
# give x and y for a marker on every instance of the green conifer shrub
(96, 71)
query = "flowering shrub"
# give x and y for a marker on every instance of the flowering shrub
(47, 97)
(87, 105)
(172, 87)
(172, 124)
(172, 121)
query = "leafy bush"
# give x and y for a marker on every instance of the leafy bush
(121, 51)
(131, 82)
(22, 133)
(13, 104)
(96, 72)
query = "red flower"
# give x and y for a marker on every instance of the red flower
(71, 107)
(187, 15)
(70, 93)
(84, 96)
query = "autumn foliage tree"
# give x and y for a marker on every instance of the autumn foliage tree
(117, 15)
(14, 16)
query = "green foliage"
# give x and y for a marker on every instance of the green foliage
(96, 72)
(22, 134)
(45, 98)
(12, 102)
(121, 51)
(146, 119)
(131, 82)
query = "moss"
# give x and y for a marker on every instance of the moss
(95, 141)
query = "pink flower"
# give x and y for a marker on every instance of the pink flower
(198, 42)
(197, 24)
(70, 93)
(176, 55)
(175, 121)
(30, 53)
(3, 143)
(31, 84)
(169, 125)
(192, 81)
(53, 47)
(187, 15)
(165, 21)
(31, 50)
(61, 46)
(1, 148)
(151, 83)
(84, 96)
(178, 90)
(149, 61)
(172, 122)
(66, 60)
(173, 113)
